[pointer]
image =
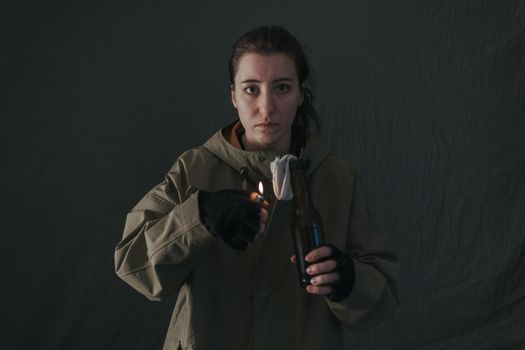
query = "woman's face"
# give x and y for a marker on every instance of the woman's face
(266, 94)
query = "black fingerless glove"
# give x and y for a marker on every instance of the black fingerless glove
(230, 215)
(345, 268)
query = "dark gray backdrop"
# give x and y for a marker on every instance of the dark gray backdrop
(426, 98)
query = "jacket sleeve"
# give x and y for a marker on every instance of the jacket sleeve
(375, 296)
(162, 236)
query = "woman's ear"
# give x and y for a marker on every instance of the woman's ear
(232, 91)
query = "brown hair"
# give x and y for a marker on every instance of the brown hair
(267, 40)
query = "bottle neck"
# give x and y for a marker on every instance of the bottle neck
(301, 195)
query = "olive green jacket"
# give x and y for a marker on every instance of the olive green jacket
(252, 299)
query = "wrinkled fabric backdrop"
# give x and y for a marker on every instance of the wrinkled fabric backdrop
(426, 98)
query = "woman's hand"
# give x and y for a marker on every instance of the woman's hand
(332, 271)
(231, 215)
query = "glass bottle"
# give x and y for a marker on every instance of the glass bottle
(307, 225)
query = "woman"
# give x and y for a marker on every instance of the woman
(198, 232)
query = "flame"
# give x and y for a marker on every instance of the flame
(261, 188)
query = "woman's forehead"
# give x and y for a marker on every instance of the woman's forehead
(275, 66)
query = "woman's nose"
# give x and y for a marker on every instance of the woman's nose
(266, 104)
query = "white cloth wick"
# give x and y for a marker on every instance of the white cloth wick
(281, 177)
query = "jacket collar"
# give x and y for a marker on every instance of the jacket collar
(256, 164)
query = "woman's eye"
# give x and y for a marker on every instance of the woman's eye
(252, 90)
(283, 88)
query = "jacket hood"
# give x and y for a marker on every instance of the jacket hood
(254, 164)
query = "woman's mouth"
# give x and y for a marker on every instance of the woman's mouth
(266, 125)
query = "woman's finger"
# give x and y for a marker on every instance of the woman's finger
(326, 278)
(318, 253)
(264, 215)
(319, 290)
(263, 220)
(321, 267)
